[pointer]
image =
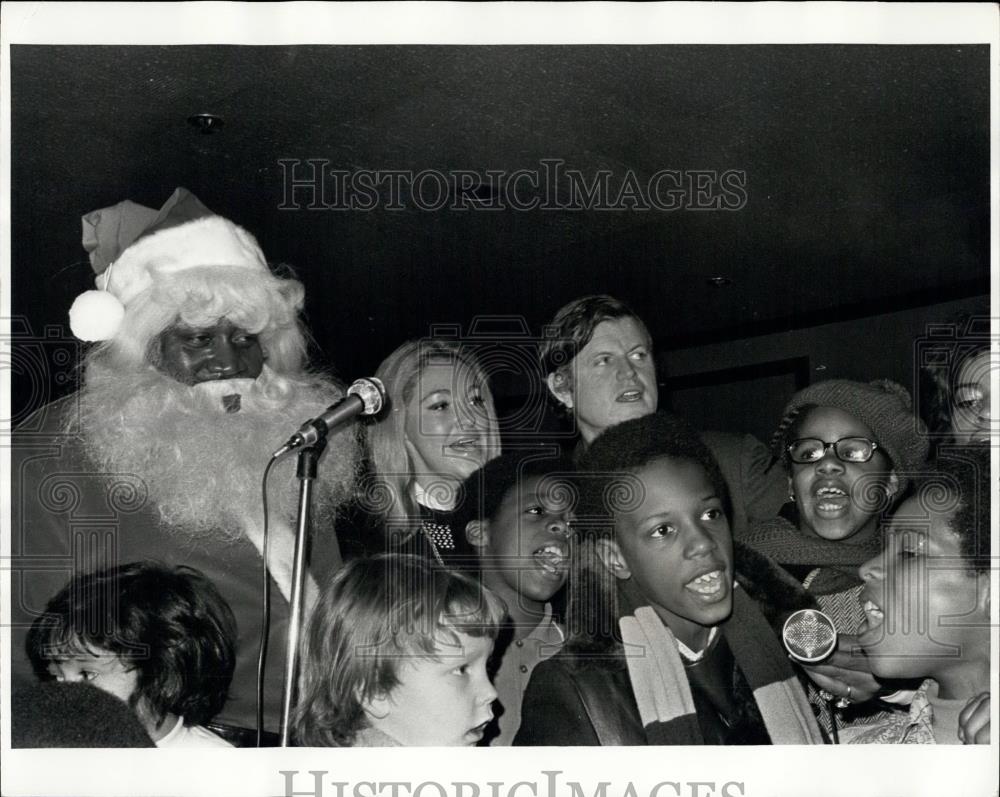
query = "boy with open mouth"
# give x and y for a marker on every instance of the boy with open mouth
(664, 647)
(516, 513)
(927, 606)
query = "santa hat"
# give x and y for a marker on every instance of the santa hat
(132, 246)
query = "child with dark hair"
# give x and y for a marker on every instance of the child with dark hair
(665, 646)
(927, 601)
(159, 638)
(516, 515)
(394, 654)
(850, 450)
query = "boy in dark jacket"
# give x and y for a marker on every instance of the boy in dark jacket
(665, 644)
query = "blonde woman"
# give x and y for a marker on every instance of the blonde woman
(440, 427)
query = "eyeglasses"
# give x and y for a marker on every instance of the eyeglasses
(848, 449)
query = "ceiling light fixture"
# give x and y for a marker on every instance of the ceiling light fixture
(719, 281)
(206, 122)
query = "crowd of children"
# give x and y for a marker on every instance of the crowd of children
(671, 631)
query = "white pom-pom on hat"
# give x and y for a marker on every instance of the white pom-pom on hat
(96, 315)
(142, 247)
(211, 241)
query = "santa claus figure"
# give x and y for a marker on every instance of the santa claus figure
(197, 374)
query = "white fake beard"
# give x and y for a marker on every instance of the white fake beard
(201, 464)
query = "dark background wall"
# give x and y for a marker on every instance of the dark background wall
(742, 386)
(866, 174)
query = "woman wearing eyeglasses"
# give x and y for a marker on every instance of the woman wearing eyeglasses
(849, 449)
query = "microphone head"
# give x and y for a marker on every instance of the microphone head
(809, 636)
(371, 391)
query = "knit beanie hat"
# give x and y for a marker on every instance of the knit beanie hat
(132, 246)
(883, 406)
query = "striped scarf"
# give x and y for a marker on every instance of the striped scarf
(663, 694)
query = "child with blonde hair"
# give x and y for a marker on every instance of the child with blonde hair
(394, 654)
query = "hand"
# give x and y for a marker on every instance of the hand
(974, 721)
(845, 674)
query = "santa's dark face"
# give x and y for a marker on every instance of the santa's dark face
(192, 355)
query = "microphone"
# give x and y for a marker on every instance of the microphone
(364, 397)
(809, 636)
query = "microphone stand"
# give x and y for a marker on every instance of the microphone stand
(306, 473)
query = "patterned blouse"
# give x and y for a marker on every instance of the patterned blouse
(913, 727)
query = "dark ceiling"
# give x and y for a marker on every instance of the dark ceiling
(866, 177)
